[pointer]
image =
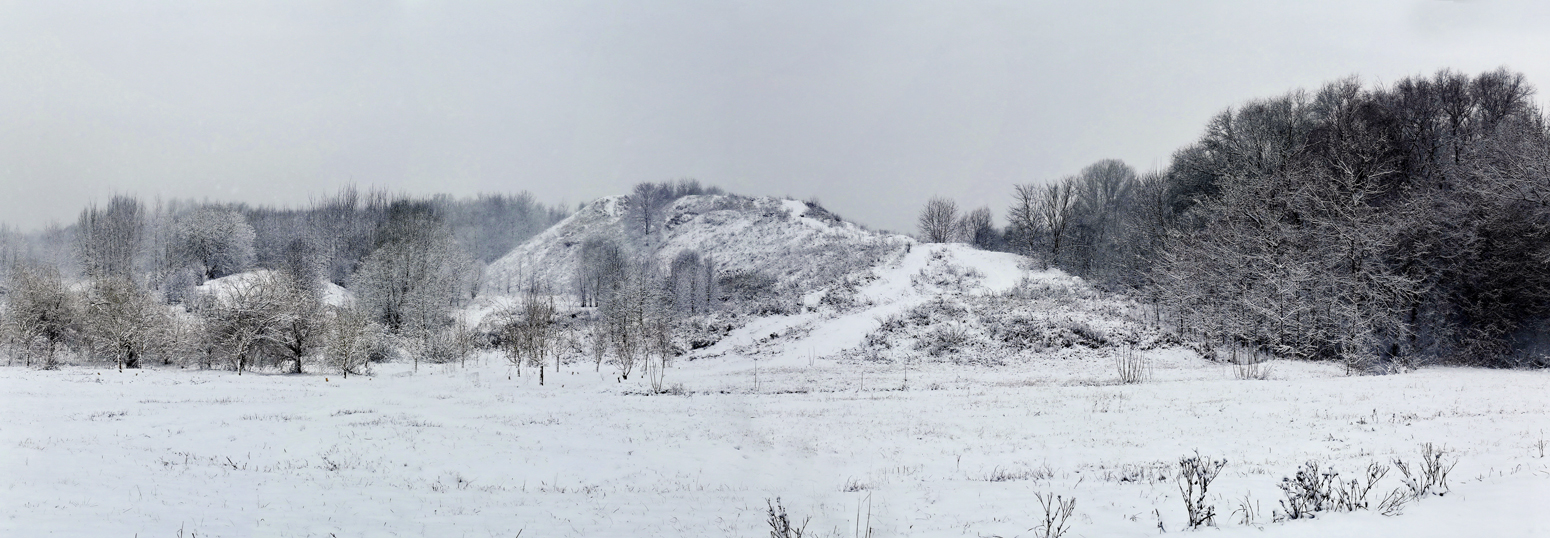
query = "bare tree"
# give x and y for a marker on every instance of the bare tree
(243, 318)
(218, 241)
(978, 228)
(414, 279)
(1102, 193)
(124, 320)
(39, 309)
(646, 201)
(350, 337)
(108, 239)
(1024, 223)
(599, 270)
(300, 328)
(691, 282)
(1054, 211)
(625, 314)
(938, 221)
(530, 332)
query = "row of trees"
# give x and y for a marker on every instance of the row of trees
(940, 222)
(268, 319)
(409, 263)
(1374, 226)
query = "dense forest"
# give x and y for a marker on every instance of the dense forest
(1379, 226)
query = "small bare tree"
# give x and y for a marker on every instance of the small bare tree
(351, 336)
(978, 228)
(1055, 206)
(938, 221)
(1023, 220)
(530, 332)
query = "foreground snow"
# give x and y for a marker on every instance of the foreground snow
(933, 450)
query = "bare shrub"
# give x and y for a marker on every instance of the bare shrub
(1352, 495)
(1057, 515)
(1194, 478)
(1133, 368)
(1000, 474)
(1393, 503)
(1249, 364)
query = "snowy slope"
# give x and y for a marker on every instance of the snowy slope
(923, 273)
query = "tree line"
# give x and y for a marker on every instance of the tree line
(120, 284)
(1380, 226)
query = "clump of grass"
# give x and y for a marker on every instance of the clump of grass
(780, 523)
(999, 474)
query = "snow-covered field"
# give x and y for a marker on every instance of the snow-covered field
(933, 450)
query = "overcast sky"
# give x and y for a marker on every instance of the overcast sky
(873, 107)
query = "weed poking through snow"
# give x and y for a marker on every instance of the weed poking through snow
(780, 524)
(1195, 476)
(1057, 515)
(1431, 476)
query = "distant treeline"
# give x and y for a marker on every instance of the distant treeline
(1380, 226)
(156, 240)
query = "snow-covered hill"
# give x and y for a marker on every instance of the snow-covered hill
(847, 292)
(799, 244)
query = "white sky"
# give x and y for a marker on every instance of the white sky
(871, 106)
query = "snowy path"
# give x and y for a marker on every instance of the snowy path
(897, 287)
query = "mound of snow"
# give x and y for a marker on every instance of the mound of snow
(331, 294)
(226, 285)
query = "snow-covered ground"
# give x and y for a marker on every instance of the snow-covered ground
(934, 449)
